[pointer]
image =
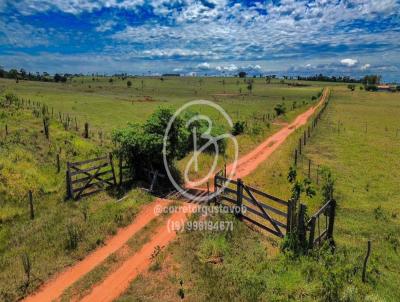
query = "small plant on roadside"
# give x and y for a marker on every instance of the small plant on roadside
(73, 236)
(26, 263)
(238, 127)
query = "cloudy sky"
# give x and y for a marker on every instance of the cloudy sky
(350, 37)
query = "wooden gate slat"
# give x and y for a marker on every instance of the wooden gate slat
(263, 211)
(272, 209)
(76, 181)
(96, 177)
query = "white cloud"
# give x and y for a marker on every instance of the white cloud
(228, 68)
(349, 62)
(203, 66)
(365, 66)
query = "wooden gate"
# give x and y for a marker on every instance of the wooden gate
(90, 176)
(267, 212)
(320, 225)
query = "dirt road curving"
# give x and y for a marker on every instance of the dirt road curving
(54, 288)
(249, 162)
(117, 282)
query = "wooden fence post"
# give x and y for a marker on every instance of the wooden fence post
(120, 169)
(332, 210)
(68, 180)
(295, 157)
(110, 156)
(301, 226)
(6, 129)
(32, 211)
(305, 138)
(309, 169)
(312, 233)
(300, 146)
(86, 130)
(216, 188)
(239, 196)
(46, 127)
(289, 218)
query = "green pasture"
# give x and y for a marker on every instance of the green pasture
(358, 138)
(108, 105)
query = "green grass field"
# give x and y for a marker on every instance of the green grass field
(28, 162)
(358, 139)
(363, 156)
(107, 105)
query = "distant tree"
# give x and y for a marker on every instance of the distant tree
(280, 109)
(371, 79)
(129, 83)
(351, 87)
(13, 74)
(57, 78)
(242, 74)
(111, 80)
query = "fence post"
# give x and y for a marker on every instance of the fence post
(239, 196)
(289, 216)
(300, 146)
(305, 138)
(68, 180)
(332, 210)
(120, 170)
(295, 157)
(112, 168)
(86, 130)
(309, 169)
(6, 130)
(301, 227)
(31, 205)
(312, 233)
(215, 187)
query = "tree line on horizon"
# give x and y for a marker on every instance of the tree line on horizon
(22, 74)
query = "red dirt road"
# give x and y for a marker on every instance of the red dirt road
(118, 281)
(54, 288)
(249, 162)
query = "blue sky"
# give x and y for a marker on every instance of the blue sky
(349, 37)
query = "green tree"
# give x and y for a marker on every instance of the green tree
(280, 109)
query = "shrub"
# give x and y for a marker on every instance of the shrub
(280, 109)
(328, 184)
(238, 127)
(129, 83)
(142, 146)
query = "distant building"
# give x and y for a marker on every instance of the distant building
(171, 75)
